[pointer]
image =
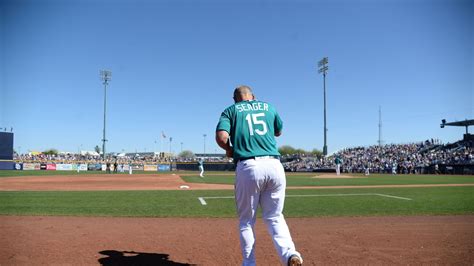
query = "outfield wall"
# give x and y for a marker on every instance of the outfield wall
(161, 167)
(7, 165)
(10, 165)
(460, 169)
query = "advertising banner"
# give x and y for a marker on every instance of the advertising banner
(163, 167)
(51, 166)
(43, 166)
(31, 166)
(94, 167)
(18, 166)
(82, 167)
(150, 167)
(103, 167)
(137, 167)
(63, 167)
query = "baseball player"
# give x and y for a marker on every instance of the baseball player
(201, 167)
(107, 167)
(394, 168)
(367, 168)
(338, 162)
(247, 130)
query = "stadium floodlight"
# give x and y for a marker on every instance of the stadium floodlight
(204, 136)
(106, 76)
(323, 68)
(323, 61)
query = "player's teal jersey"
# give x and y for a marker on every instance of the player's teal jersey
(252, 126)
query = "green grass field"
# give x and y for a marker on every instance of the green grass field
(334, 202)
(299, 202)
(298, 179)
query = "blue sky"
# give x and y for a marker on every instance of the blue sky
(175, 64)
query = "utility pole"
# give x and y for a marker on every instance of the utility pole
(171, 139)
(106, 76)
(323, 68)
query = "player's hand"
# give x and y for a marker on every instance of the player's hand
(229, 153)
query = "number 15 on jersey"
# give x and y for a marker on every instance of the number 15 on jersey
(258, 121)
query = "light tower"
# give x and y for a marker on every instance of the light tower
(204, 136)
(171, 139)
(323, 68)
(106, 76)
(380, 126)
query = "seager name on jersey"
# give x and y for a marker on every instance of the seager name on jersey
(246, 106)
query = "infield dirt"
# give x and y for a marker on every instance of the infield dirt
(141, 182)
(101, 182)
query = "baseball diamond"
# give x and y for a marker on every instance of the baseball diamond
(428, 219)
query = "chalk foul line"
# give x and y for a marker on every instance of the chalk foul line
(203, 202)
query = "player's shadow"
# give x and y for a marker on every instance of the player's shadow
(135, 258)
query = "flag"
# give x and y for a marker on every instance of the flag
(163, 135)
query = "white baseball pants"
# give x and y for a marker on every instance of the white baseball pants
(201, 168)
(262, 182)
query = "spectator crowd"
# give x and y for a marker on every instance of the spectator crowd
(135, 158)
(405, 158)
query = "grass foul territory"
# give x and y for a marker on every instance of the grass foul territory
(299, 203)
(302, 179)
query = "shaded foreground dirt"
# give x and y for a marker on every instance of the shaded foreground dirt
(27, 240)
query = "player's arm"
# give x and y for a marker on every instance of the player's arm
(278, 125)
(222, 132)
(222, 139)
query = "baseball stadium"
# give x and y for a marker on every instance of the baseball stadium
(175, 162)
(73, 209)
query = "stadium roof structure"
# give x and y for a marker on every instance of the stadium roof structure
(466, 123)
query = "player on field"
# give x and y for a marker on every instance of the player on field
(201, 167)
(247, 130)
(338, 162)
